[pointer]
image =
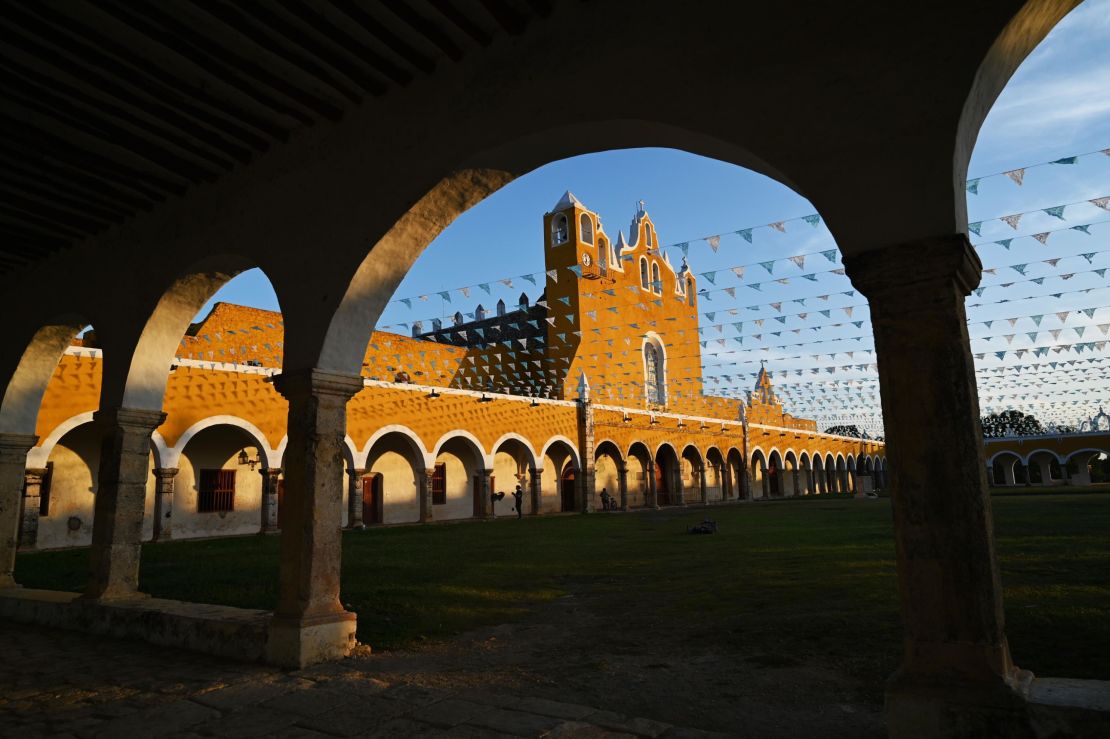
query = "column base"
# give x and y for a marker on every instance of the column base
(298, 643)
(953, 708)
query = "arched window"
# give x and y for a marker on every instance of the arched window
(586, 229)
(644, 281)
(689, 291)
(559, 229)
(654, 374)
(648, 235)
(656, 283)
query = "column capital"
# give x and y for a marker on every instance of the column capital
(130, 419)
(34, 475)
(164, 472)
(317, 382)
(14, 447)
(355, 472)
(928, 263)
(485, 472)
(272, 471)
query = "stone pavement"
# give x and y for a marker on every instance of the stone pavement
(66, 684)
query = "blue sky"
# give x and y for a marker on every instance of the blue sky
(1057, 105)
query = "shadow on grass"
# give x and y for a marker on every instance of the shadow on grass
(812, 578)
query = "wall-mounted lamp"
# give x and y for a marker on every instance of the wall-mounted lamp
(627, 418)
(433, 395)
(654, 420)
(244, 459)
(485, 399)
(681, 425)
(533, 404)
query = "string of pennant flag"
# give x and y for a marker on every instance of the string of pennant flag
(1017, 176)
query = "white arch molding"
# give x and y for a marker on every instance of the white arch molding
(484, 458)
(361, 457)
(173, 454)
(39, 455)
(515, 437)
(1054, 455)
(570, 445)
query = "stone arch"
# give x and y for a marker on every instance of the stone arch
(268, 457)
(29, 375)
(1045, 467)
(775, 473)
(693, 475)
(215, 444)
(760, 482)
(561, 480)
(850, 474)
(413, 438)
(483, 458)
(806, 471)
(513, 464)
(1080, 465)
(39, 455)
(841, 474)
(394, 462)
(641, 474)
(608, 463)
(668, 477)
(738, 471)
(831, 485)
(1007, 468)
(716, 475)
(792, 478)
(138, 357)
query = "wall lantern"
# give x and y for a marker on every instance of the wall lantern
(244, 459)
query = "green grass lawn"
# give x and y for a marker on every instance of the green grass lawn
(812, 577)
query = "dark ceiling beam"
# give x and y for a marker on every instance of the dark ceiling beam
(245, 75)
(379, 31)
(37, 224)
(48, 196)
(508, 17)
(39, 145)
(264, 35)
(72, 181)
(78, 50)
(76, 103)
(352, 46)
(45, 110)
(405, 12)
(462, 21)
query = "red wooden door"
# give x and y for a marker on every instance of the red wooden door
(372, 499)
(566, 489)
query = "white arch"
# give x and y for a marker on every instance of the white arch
(670, 446)
(996, 455)
(570, 445)
(485, 459)
(516, 437)
(173, 454)
(628, 452)
(615, 445)
(161, 449)
(1089, 451)
(39, 455)
(804, 459)
(762, 455)
(361, 457)
(1057, 457)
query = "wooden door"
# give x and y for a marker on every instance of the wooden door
(566, 489)
(372, 499)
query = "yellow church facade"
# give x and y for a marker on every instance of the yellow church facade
(576, 397)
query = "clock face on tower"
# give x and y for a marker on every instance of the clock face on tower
(586, 259)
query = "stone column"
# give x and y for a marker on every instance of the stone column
(120, 501)
(536, 487)
(13, 462)
(269, 509)
(749, 484)
(1008, 475)
(809, 481)
(622, 485)
(355, 516)
(164, 478)
(424, 493)
(1046, 472)
(794, 482)
(703, 489)
(584, 480)
(485, 491)
(309, 623)
(1028, 479)
(652, 493)
(956, 669)
(32, 504)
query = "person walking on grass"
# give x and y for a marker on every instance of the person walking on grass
(518, 494)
